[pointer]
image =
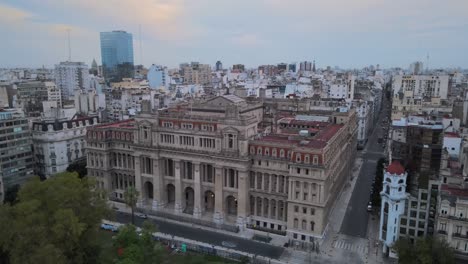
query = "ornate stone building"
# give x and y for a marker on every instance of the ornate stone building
(210, 162)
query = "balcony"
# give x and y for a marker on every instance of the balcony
(442, 232)
(458, 235)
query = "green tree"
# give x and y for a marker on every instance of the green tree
(426, 250)
(378, 184)
(53, 221)
(79, 167)
(138, 247)
(131, 198)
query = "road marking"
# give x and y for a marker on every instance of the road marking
(341, 244)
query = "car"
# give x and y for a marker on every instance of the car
(109, 227)
(141, 215)
(369, 207)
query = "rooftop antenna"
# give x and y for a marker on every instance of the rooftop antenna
(69, 45)
(141, 50)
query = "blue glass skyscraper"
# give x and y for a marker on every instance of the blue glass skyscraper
(117, 55)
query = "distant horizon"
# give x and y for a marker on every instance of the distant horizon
(352, 34)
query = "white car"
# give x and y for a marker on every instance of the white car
(141, 215)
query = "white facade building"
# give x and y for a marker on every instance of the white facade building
(158, 77)
(452, 142)
(59, 140)
(70, 77)
(393, 204)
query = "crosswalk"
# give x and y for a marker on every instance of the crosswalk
(360, 248)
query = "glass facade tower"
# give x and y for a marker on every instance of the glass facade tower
(117, 55)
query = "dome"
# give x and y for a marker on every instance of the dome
(395, 168)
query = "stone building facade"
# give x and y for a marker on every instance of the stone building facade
(213, 162)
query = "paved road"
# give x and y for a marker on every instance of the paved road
(205, 236)
(356, 218)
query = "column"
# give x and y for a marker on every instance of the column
(243, 200)
(256, 180)
(159, 190)
(278, 179)
(270, 187)
(197, 209)
(219, 199)
(138, 180)
(178, 187)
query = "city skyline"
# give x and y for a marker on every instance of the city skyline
(346, 33)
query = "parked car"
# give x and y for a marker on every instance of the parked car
(141, 215)
(109, 227)
(369, 207)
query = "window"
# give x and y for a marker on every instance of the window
(304, 225)
(230, 141)
(315, 160)
(304, 210)
(296, 208)
(307, 159)
(298, 157)
(296, 223)
(312, 211)
(259, 151)
(252, 150)
(312, 226)
(267, 152)
(273, 153)
(282, 153)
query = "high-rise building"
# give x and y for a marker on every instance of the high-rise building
(17, 164)
(71, 77)
(239, 67)
(292, 67)
(282, 67)
(416, 68)
(305, 66)
(196, 73)
(158, 77)
(219, 66)
(94, 68)
(416, 94)
(117, 55)
(31, 95)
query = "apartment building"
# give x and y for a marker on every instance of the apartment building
(196, 73)
(31, 95)
(216, 163)
(17, 164)
(414, 94)
(59, 139)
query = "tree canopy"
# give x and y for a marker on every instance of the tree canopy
(54, 221)
(79, 167)
(426, 250)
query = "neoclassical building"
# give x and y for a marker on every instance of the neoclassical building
(216, 160)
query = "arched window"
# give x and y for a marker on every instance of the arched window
(298, 157)
(267, 152)
(273, 153)
(259, 150)
(252, 150)
(312, 225)
(387, 190)
(230, 141)
(296, 223)
(401, 181)
(307, 159)
(282, 153)
(304, 225)
(399, 189)
(388, 180)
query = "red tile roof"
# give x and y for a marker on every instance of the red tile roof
(451, 135)
(124, 123)
(454, 191)
(396, 168)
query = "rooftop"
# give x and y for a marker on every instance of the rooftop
(122, 124)
(395, 168)
(454, 191)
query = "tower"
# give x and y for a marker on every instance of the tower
(393, 197)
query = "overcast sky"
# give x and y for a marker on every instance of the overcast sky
(347, 33)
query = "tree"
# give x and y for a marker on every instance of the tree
(134, 247)
(54, 221)
(79, 167)
(11, 193)
(378, 184)
(425, 250)
(131, 198)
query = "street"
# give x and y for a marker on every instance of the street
(206, 236)
(355, 221)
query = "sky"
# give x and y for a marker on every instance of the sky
(345, 33)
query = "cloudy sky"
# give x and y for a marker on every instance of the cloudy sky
(348, 33)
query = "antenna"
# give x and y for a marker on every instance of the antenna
(141, 50)
(69, 45)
